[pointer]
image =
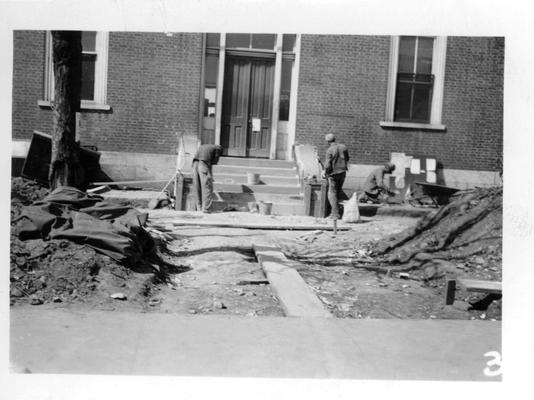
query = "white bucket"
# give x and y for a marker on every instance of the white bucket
(265, 208)
(253, 179)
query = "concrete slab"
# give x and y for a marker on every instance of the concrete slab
(99, 342)
(296, 297)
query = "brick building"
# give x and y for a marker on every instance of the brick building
(258, 95)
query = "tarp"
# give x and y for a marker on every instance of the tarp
(68, 213)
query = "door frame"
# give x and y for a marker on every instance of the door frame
(277, 55)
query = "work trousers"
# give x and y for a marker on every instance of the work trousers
(202, 186)
(335, 184)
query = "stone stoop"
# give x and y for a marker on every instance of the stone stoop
(278, 184)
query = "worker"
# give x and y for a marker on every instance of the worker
(206, 156)
(374, 188)
(335, 170)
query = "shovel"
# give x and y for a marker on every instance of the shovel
(153, 203)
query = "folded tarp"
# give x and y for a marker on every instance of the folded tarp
(68, 213)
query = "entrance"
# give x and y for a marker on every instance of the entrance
(247, 106)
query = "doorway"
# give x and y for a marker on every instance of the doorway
(247, 106)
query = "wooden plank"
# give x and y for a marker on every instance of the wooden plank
(450, 291)
(128, 182)
(296, 297)
(261, 226)
(473, 285)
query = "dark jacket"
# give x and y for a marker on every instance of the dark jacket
(375, 181)
(337, 159)
(207, 155)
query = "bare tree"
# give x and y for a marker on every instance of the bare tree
(65, 166)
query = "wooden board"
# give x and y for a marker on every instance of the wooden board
(262, 226)
(473, 285)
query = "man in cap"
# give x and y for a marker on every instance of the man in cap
(374, 187)
(335, 170)
(206, 156)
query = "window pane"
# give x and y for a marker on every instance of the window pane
(424, 55)
(212, 67)
(88, 76)
(403, 101)
(238, 40)
(288, 42)
(213, 39)
(210, 96)
(285, 89)
(88, 41)
(421, 103)
(263, 41)
(406, 54)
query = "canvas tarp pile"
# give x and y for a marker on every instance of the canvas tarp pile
(68, 213)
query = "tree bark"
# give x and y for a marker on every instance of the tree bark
(65, 166)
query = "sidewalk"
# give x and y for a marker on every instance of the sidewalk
(98, 342)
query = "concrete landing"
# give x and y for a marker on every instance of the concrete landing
(296, 297)
(46, 340)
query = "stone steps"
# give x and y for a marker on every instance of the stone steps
(262, 170)
(231, 178)
(255, 162)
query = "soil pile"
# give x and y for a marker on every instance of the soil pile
(61, 271)
(24, 193)
(467, 230)
(403, 275)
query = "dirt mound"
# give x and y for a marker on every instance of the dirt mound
(23, 193)
(61, 271)
(55, 270)
(467, 229)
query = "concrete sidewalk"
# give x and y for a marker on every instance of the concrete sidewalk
(99, 342)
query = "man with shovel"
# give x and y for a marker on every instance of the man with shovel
(206, 156)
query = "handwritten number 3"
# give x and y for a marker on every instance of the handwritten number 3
(496, 361)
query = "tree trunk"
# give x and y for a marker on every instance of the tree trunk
(65, 166)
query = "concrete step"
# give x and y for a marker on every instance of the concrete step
(243, 170)
(249, 197)
(264, 179)
(278, 208)
(243, 188)
(256, 162)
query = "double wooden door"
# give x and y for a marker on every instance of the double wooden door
(247, 106)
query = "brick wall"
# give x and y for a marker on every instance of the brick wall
(153, 90)
(343, 85)
(28, 84)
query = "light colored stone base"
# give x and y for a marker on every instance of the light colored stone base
(458, 178)
(121, 166)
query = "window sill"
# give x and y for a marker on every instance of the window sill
(86, 105)
(412, 125)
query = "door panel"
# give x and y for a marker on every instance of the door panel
(248, 94)
(235, 107)
(261, 88)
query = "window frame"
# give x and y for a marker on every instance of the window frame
(101, 72)
(438, 70)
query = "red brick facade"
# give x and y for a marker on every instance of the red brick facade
(154, 83)
(343, 87)
(153, 89)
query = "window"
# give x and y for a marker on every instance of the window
(94, 71)
(415, 87)
(251, 41)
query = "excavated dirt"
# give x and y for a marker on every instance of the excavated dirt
(403, 275)
(213, 270)
(65, 274)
